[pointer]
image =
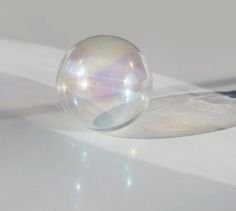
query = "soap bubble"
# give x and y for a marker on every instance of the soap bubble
(104, 82)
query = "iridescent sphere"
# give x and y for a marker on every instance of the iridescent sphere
(104, 82)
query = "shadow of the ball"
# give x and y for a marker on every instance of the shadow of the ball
(182, 115)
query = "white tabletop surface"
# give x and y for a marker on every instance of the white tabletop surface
(48, 164)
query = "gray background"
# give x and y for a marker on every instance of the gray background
(194, 41)
(43, 169)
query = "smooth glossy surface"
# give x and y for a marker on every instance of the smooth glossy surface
(46, 166)
(104, 82)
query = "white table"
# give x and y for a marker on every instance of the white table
(47, 163)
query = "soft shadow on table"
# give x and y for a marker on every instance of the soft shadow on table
(170, 116)
(36, 102)
(183, 115)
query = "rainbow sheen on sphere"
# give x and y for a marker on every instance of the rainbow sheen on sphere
(104, 82)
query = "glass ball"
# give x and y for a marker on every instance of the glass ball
(104, 82)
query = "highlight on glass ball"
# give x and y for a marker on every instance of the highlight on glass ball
(104, 82)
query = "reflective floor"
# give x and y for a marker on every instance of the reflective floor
(44, 170)
(48, 163)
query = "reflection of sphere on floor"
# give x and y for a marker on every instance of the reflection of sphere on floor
(104, 82)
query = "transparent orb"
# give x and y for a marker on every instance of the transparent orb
(104, 82)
